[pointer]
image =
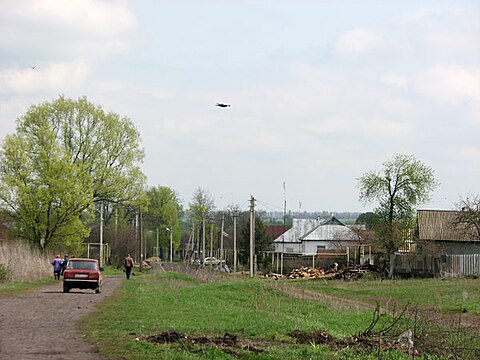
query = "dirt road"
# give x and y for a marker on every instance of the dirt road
(42, 324)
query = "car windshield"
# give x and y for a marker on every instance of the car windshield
(85, 265)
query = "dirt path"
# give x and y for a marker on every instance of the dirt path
(42, 324)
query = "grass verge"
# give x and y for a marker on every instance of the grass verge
(12, 288)
(256, 314)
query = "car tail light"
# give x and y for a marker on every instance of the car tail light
(94, 276)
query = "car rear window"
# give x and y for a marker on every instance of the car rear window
(85, 265)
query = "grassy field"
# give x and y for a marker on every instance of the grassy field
(447, 294)
(233, 318)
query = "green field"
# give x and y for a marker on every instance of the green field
(255, 312)
(447, 294)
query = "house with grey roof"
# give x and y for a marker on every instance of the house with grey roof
(309, 236)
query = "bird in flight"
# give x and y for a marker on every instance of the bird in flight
(32, 67)
(222, 105)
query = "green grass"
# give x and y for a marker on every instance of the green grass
(10, 288)
(251, 309)
(446, 293)
(111, 270)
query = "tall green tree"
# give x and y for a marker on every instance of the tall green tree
(200, 208)
(403, 183)
(367, 219)
(163, 212)
(262, 239)
(64, 156)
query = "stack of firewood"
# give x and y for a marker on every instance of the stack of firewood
(308, 272)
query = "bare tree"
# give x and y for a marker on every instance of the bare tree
(202, 204)
(468, 217)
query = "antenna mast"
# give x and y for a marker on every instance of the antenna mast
(284, 208)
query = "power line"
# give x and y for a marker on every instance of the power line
(270, 206)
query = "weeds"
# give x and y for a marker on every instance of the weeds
(20, 262)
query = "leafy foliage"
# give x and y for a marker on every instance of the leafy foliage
(403, 183)
(262, 239)
(64, 156)
(163, 211)
(367, 219)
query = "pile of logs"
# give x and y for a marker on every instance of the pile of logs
(308, 272)
(333, 272)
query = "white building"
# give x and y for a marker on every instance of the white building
(308, 236)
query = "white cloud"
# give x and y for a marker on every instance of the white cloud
(466, 160)
(359, 127)
(450, 84)
(85, 28)
(395, 80)
(55, 77)
(358, 42)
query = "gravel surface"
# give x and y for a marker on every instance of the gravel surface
(42, 324)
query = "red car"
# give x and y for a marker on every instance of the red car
(82, 274)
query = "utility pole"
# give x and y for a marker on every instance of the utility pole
(100, 262)
(170, 230)
(192, 257)
(284, 208)
(252, 236)
(171, 246)
(141, 243)
(211, 239)
(156, 253)
(235, 215)
(203, 239)
(221, 238)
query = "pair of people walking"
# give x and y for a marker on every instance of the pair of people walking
(59, 266)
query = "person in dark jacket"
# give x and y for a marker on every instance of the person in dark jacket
(57, 267)
(128, 263)
(64, 264)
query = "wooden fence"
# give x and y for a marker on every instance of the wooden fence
(462, 265)
(445, 265)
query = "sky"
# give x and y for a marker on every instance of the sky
(321, 92)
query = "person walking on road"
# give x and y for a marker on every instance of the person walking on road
(128, 265)
(57, 267)
(64, 264)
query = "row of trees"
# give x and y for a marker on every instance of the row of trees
(69, 158)
(66, 160)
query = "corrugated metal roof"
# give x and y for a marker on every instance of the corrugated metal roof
(330, 232)
(299, 228)
(310, 229)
